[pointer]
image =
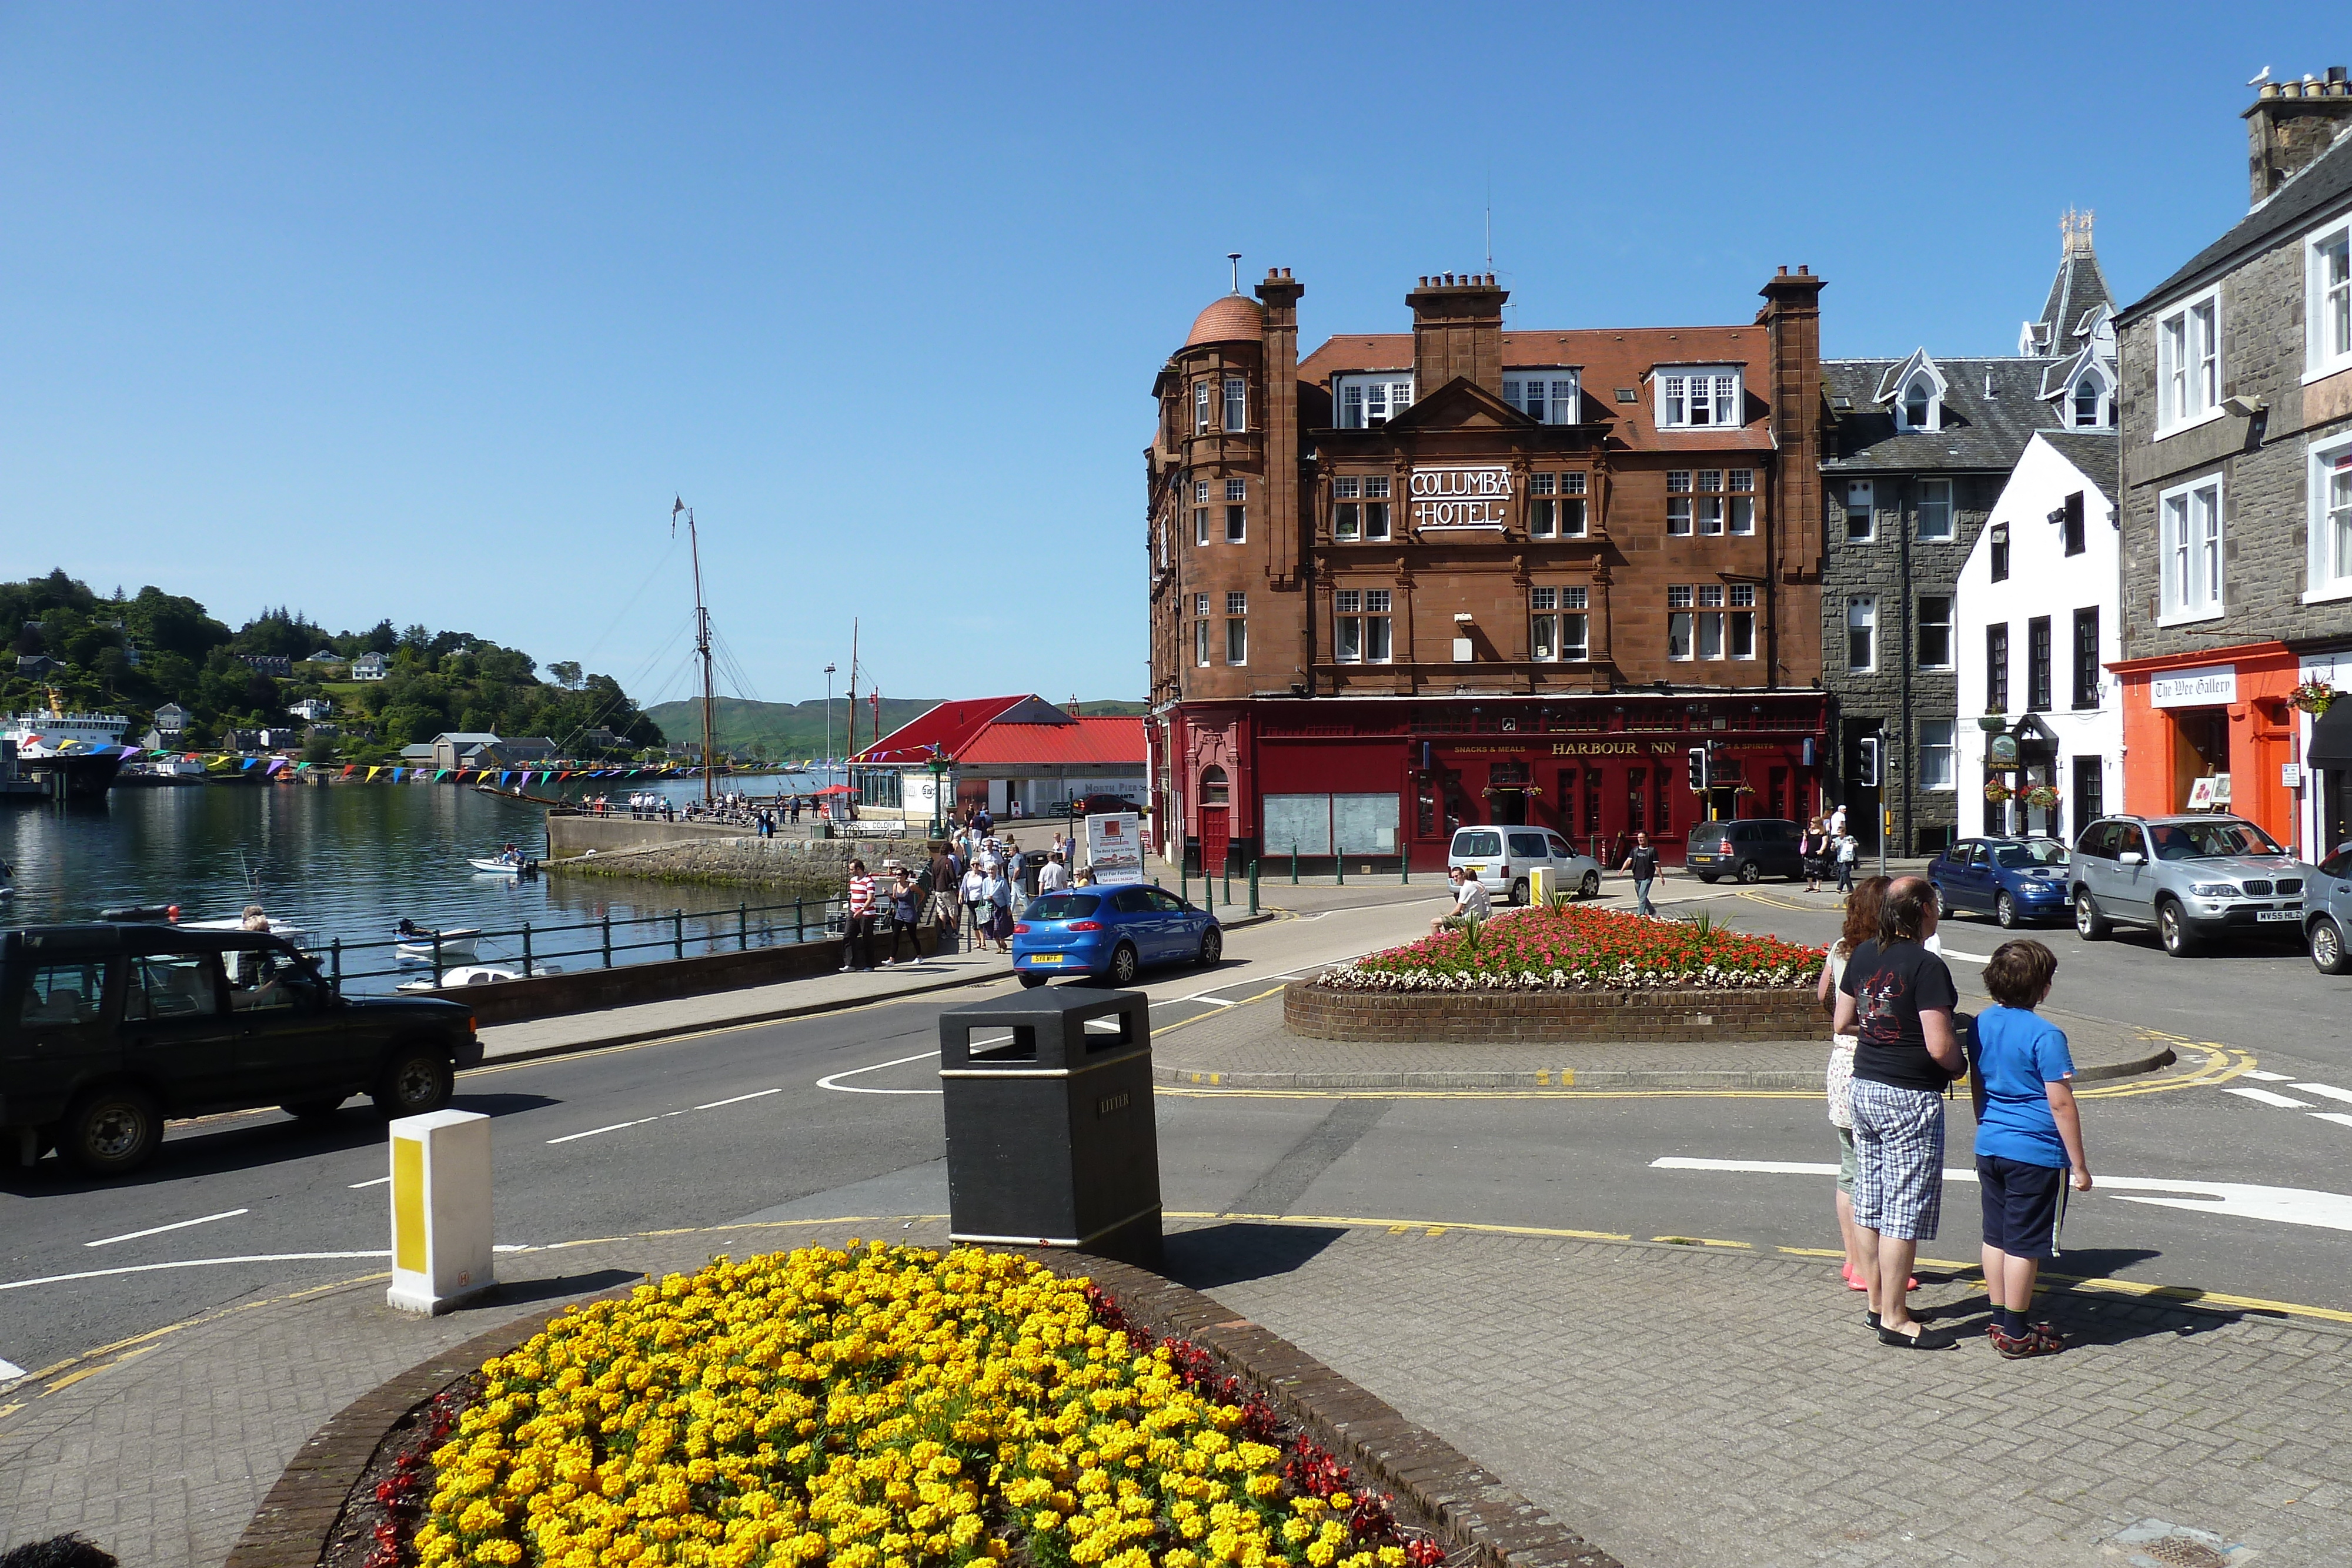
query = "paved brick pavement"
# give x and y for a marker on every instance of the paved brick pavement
(1673, 1405)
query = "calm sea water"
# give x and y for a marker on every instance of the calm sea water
(347, 860)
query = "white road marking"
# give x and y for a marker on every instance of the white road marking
(1213, 1001)
(2338, 1117)
(831, 1081)
(615, 1127)
(2267, 1076)
(2326, 1091)
(159, 1230)
(10, 1371)
(181, 1263)
(738, 1100)
(1969, 957)
(2264, 1097)
(377, 1182)
(2237, 1200)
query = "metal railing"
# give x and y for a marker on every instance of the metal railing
(612, 943)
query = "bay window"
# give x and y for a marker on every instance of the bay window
(1693, 396)
(1370, 402)
(1236, 404)
(1548, 395)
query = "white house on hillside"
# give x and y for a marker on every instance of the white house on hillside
(2037, 627)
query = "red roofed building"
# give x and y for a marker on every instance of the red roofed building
(1004, 753)
(1460, 575)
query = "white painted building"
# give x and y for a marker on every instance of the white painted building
(2037, 627)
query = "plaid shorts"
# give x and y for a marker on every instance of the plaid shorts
(1898, 1179)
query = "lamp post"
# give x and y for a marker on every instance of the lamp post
(828, 722)
(939, 766)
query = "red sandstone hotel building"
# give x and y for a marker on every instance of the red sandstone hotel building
(1466, 575)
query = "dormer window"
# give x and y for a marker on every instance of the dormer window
(1370, 402)
(1693, 397)
(1919, 405)
(1548, 396)
(2089, 404)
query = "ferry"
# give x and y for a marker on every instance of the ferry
(73, 755)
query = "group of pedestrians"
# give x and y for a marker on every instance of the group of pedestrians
(1897, 1046)
(1827, 849)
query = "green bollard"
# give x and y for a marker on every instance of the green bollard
(1404, 869)
(1183, 885)
(1294, 865)
(1229, 883)
(1253, 884)
(1338, 867)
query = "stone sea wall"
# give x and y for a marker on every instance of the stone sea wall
(795, 868)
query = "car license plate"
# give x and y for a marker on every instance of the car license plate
(1473, 871)
(1044, 957)
(2278, 914)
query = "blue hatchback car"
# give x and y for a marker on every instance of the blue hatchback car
(1112, 933)
(2015, 881)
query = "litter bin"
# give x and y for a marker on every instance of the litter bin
(1051, 1135)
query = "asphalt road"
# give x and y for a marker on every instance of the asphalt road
(838, 1115)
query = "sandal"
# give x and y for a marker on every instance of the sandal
(2016, 1347)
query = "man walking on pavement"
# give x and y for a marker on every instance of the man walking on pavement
(1053, 877)
(1644, 864)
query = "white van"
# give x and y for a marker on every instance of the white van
(1501, 858)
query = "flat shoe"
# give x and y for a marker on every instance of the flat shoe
(1853, 1281)
(1888, 1336)
(1870, 1318)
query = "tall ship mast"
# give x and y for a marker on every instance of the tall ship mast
(702, 640)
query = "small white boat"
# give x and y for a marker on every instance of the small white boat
(497, 867)
(473, 974)
(456, 943)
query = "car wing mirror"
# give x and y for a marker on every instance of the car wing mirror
(2131, 857)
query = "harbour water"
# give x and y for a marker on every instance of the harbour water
(346, 862)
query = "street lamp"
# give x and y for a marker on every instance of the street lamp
(939, 766)
(828, 724)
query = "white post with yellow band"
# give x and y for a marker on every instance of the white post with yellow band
(440, 1210)
(1542, 883)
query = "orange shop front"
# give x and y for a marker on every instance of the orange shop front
(2222, 714)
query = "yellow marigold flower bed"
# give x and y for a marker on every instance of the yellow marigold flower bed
(882, 1407)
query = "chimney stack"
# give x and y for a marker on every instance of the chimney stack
(2290, 125)
(1457, 330)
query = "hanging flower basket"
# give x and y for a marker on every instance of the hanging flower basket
(1996, 791)
(2042, 797)
(2313, 697)
(1992, 723)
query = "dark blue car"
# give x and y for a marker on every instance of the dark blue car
(1112, 933)
(2015, 881)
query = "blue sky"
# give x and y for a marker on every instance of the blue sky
(428, 310)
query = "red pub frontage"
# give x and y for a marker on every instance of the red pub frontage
(1464, 576)
(1366, 780)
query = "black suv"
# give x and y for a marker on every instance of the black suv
(106, 1031)
(1748, 849)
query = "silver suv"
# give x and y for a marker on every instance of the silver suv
(2192, 878)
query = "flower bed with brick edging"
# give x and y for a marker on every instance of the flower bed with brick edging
(1663, 1014)
(1568, 948)
(1326, 1426)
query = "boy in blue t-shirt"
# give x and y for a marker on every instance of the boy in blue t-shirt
(2029, 1135)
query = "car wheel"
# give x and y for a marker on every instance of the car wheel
(1123, 965)
(2089, 923)
(1520, 892)
(1591, 886)
(1750, 871)
(2172, 928)
(2327, 948)
(1030, 980)
(418, 1078)
(2004, 910)
(312, 1110)
(111, 1131)
(1212, 947)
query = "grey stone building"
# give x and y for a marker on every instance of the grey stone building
(2237, 499)
(1917, 452)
